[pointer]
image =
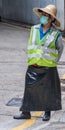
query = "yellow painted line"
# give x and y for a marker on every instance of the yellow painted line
(37, 114)
(62, 85)
(28, 123)
(63, 76)
(25, 125)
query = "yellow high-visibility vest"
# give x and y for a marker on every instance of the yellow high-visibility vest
(42, 52)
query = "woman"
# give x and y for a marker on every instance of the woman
(42, 84)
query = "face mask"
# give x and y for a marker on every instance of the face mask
(44, 20)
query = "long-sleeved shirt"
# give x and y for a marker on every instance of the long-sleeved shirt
(59, 42)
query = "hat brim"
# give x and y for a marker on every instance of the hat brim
(38, 12)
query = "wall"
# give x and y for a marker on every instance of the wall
(61, 12)
(0, 7)
(21, 10)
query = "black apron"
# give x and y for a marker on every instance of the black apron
(42, 89)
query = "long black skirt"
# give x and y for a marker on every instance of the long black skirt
(42, 89)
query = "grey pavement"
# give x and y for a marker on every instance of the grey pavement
(13, 65)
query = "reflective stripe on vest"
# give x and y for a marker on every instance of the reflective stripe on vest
(34, 35)
(40, 56)
(45, 54)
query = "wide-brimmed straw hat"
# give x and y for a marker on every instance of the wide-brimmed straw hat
(51, 10)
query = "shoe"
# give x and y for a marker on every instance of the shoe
(46, 116)
(23, 115)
